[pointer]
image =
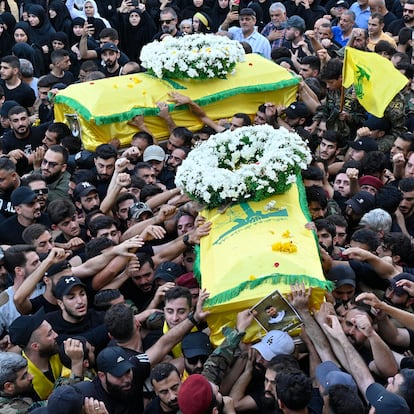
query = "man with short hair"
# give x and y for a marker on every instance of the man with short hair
(166, 382)
(168, 21)
(60, 72)
(22, 139)
(16, 388)
(343, 31)
(14, 88)
(247, 31)
(54, 165)
(20, 261)
(403, 219)
(9, 181)
(54, 134)
(375, 32)
(275, 30)
(176, 158)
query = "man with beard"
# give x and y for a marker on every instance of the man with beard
(9, 181)
(22, 140)
(356, 324)
(28, 212)
(38, 184)
(326, 232)
(166, 382)
(16, 388)
(38, 341)
(86, 197)
(110, 55)
(403, 217)
(406, 21)
(74, 317)
(329, 147)
(54, 172)
(176, 158)
(196, 349)
(168, 21)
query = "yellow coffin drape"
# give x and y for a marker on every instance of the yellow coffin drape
(105, 106)
(253, 249)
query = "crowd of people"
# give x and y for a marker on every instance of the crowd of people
(100, 311)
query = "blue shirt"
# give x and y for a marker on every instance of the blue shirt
(361, 16)
(258, 42)
(338, 37)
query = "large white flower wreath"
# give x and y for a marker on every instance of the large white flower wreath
(199, 56)
(249, 163)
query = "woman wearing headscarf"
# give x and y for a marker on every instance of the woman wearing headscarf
(89, 12)
(34, 54)
(59, 17)
(193, 7)
(25, 51)
(201, 23)
(21, 32)
(137, 29)
(40, 27)
(6, 40)
(9, 21)
(219, 13)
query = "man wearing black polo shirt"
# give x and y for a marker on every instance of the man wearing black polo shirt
(24, 201)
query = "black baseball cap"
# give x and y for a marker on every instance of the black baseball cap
(65, 285)
(22, 328)
(114, 360)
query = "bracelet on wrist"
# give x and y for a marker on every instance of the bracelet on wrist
(192, 319)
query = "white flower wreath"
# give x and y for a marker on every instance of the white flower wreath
(251, 162)
(199, 56)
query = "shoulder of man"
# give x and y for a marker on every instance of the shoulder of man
(16, 405)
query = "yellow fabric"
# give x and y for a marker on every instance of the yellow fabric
(104, 106)
(376, 81)
(240, 261)
(41, 384)
(176, 351)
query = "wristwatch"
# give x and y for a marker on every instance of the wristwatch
(186, 240)
(191, 318)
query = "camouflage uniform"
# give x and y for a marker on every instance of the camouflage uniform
(395, 114)
(17, 404)
(329, 112)
(217, 364)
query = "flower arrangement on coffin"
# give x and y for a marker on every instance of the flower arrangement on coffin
(199, 56)
(253, 162)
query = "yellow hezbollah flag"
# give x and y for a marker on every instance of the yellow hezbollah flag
(253, 249)
(376, 81)
(104, 107)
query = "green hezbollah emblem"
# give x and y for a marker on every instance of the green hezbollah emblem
(361, 74)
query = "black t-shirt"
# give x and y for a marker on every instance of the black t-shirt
(29, 144)
(11, 230)
(141, 300)
(40, 302)
(67, 78)
(115, 404)
(23, 94)
(92, 328)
